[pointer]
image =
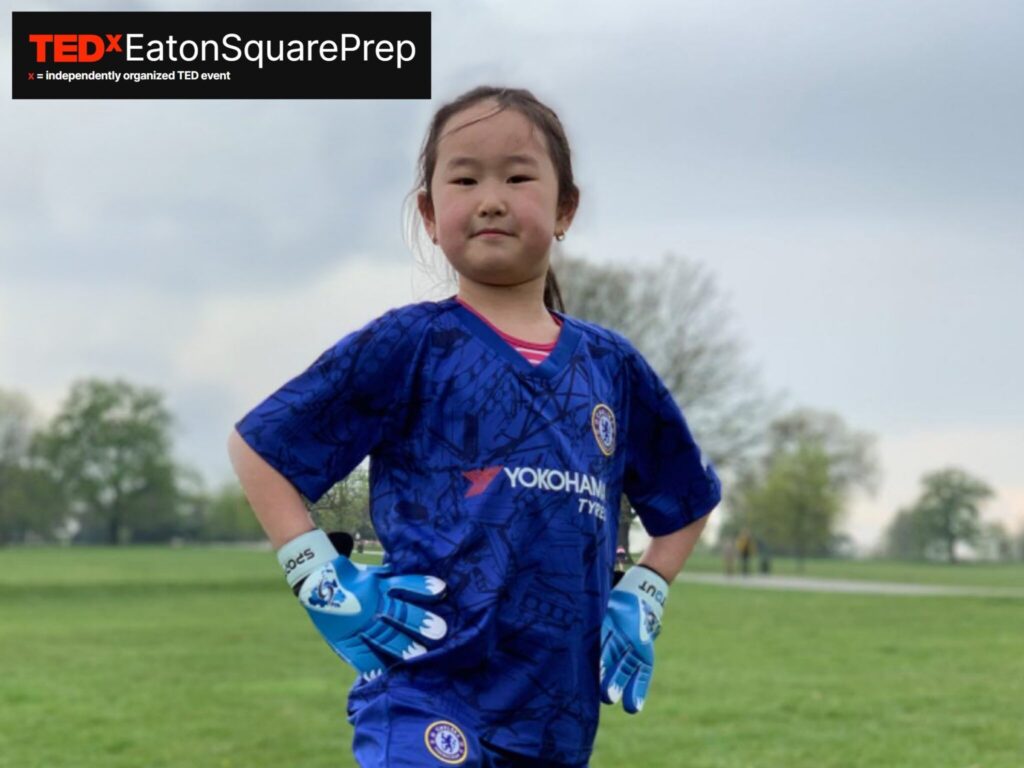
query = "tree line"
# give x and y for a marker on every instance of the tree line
(102, 469)
(102, 472)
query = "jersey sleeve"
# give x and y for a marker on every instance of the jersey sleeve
(316, 428)
(667, 479)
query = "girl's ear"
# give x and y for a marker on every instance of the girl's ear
(426, 208)
(566, 212)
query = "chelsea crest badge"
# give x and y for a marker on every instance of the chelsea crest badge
(446, 742)
(602, 421)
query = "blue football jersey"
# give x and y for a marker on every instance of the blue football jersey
(503, 478)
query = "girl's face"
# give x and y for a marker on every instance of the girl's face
(493, 174)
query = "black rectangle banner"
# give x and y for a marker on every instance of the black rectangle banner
(221, 55)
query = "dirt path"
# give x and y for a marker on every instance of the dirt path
(804, 584)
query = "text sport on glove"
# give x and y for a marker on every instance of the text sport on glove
(630, 626)
(362, 610)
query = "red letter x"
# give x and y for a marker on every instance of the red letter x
(113, 44)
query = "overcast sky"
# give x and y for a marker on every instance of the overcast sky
(851, 172)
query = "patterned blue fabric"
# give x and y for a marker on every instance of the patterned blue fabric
(408, 729)
(501, 478)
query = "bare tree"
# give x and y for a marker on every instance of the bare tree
(675, 315)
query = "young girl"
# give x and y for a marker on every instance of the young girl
(501, 434)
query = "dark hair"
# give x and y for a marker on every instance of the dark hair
(545, 119)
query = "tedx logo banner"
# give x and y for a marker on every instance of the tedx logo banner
(220, 55)
(87, 48)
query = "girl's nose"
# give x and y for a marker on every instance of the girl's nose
(491, 208)
(491, 201)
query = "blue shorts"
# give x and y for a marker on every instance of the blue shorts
(398, 729)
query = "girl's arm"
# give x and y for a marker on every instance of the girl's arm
(278, 506)
(633, 619)
(347, 603)
(666, 555)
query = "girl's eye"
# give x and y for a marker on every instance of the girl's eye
(465, 181)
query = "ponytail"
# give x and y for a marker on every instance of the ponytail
(552, 293)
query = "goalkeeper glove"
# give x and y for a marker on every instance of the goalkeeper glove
(631, 624)
(360, 609)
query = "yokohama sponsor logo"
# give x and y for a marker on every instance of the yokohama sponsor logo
(555, 480)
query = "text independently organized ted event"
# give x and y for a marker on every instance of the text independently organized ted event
(134, 77)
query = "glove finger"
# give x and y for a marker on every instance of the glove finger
(620, 679)
(613, 654)
(413, 620)
(636, 689)
(345, 568)
(424, 588)
(609, 659)
(391, 641)
(358, 654)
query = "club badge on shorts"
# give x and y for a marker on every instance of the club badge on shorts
(602, 421)
(446, 742)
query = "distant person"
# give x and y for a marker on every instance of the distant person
(747, 548)
(729, 555)
(359, 543)
(765, 556)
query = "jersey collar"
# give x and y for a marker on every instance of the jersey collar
(552, 364)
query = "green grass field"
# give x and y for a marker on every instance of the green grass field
(200, 657)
